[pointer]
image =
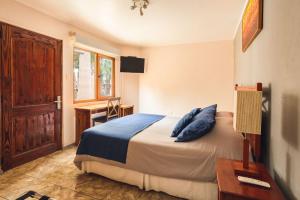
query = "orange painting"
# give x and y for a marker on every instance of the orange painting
(252, 22)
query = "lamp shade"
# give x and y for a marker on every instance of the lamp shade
(247, 117)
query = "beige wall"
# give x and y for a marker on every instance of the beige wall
(274, 59)
(181, 77)
(22, 16)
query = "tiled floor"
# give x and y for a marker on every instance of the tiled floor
(56, 176)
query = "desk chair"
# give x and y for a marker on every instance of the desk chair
(113, 111)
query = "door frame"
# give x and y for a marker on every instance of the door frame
(59, 64)
(1, 68)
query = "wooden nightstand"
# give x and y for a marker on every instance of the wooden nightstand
(229, 187)
(126, 110)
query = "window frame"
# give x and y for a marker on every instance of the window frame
(98, 96)
(98, 84)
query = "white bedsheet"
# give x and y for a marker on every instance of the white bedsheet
(194, 190)
(154, 152)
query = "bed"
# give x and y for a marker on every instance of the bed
(155, 162)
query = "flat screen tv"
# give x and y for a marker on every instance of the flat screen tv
(132, 64)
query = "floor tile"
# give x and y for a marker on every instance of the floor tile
(64, 157)
(42, 168)
(100, 187)
(61, 193)
(56, 176)
(125, 192)
(13, 188)
(68, 176)
(156, 196)
(10, 175)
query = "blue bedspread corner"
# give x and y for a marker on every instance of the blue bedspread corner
(110, 140)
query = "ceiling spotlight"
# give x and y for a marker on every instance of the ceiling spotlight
(140, 4)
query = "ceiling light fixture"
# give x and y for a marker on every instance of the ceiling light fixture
(141, 4)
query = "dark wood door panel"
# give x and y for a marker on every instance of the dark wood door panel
(32, 131)
(32, 72)
(19, 110)
(27, 156)
(31, 81)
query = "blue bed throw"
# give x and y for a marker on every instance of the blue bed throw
(110, 140)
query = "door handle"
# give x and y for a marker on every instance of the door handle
(58, 102)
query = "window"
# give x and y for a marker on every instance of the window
(84, 75)
(94, 77)
(106, 76)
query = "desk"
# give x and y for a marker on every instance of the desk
(83, 116)
(126, 110)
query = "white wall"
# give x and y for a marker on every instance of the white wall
(274, 59)
(17, 14)
(181, 77)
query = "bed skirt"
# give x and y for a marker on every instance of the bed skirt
(175, 187)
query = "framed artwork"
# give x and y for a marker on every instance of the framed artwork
(252, 22)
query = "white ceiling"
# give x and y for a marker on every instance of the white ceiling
(165, 22)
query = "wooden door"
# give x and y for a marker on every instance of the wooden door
(31, 74)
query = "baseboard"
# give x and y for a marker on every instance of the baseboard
(69, 146)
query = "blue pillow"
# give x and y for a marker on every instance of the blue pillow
(184, 121)
(200, 126)
(210, 110)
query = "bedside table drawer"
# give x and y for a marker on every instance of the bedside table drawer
(224, 196)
